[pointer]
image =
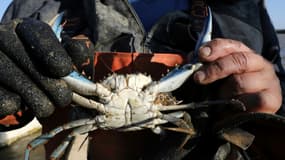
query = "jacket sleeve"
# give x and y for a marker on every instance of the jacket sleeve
(40, 9)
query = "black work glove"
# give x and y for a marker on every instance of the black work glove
(32, 61)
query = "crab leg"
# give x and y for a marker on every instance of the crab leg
(238, 137)
(192, 105)
(60, 150)
(184, 125)
(83, 86)
(88, 103)
(235, 103)
(46, 137)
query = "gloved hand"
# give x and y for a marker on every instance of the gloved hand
(32, 61)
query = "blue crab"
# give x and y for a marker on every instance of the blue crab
(129, 103)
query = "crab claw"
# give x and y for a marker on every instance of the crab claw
(173, 79)
(84, 86)
(178, 76)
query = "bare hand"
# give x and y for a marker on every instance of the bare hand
(247, 75)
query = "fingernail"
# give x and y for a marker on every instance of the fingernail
(200, 76)
(205, 51)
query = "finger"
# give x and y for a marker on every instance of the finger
(268, 100)
(235, 63)
(12, 77)
(219, 48)
(265, 101)
(56, 89)
(10, 102)
(45, 47)
(247, 83)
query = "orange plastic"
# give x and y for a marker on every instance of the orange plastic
(122, 62)
(11, 119)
